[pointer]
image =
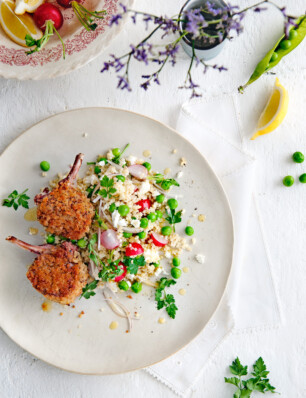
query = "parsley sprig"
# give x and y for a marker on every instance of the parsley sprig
(93, 255)
(173, 217)
(116, 159)
(15, 200)
(257, 383)
(165, 183)
(108, 184)
(88, 290)
(133, 263)
(101, 222)
(165, 300)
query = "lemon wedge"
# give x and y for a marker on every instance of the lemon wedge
(274, 112)
(17, 27)
(23, 6)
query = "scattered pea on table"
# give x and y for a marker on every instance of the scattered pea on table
(298, 157)
(176, 273)
(288, 181)
(123, 285)
(302, 178)
(189, 231)
(176, 262)
(44, 165)
(172, 203)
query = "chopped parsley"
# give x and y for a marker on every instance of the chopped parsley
(258, 383)
(133, 263)
(111, 271)
(15, 200)
(93, 255)
(108, 184)
(88, 290)
(100, 221)
(173, 217)
(90, 190)
(165, 300)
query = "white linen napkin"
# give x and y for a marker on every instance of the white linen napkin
(213, 127)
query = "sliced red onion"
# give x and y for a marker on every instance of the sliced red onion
(138, 171)
(109, 239)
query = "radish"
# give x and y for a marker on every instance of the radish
(84, 16)
(158, 239)
(134, 249)
(144, 204)
(120, 277)
(109, 239)
(138, 171)
(49, 19)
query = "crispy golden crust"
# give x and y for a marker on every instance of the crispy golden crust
(66, 211)
(59, 275)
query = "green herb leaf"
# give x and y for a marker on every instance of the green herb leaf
(107, 183)
(237, 369)
(88, 290)
(232, 380)
(173, 217)
(15, 200)
(164, 300)
(133, 263)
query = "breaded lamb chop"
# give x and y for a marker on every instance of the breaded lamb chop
(65, 211)
(58, 272)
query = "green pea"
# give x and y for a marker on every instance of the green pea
(166, 185)
(123, 210)
(176, 273)
(142, 235)
(159, 214)
(189, 231)
(288, 181)
(82, 243)
(97, 170)
(123, 285)
(152, 217)
(102, 160)
(44, 165)
(112, 207)
(302, 178)
(136, 287)
(120, 178)
(167, 230)
(160, 198)
(147, 165)
(172, 203)
(285, 44)
(274, 57)
(156, 265)
(298, 157)
(127, 235)
(50, 239)
(292, 34)
(144, 222)
(176, 262)
(116, 152)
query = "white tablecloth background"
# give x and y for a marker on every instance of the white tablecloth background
(283, 210)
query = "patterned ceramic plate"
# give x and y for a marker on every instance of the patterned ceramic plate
(81, 46)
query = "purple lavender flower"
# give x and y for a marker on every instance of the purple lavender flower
(123, 7)
(115, 19)
(259, 9)
(123, 83)
(195, 22)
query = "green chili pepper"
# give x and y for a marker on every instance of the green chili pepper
(280, 49)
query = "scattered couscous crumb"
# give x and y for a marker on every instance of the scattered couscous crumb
(182, 292)
(183, 211)
(201, 217)
(179, 174)
(193, 241)
(161, 320)
(113, 325)
(186, 269)
(194, 215)
(101, 309)
(85, 135)
(33, 231)
(44, 174)
(146, 153)
(174, 151)
(79, 326)
(167, 171)
(61, 313)
(183, 162)
(69, 330)
(81, 314)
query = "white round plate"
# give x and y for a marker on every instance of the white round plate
(87, 344)
(81, 46)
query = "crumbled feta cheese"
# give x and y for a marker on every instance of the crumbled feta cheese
(200, 258)
(44, 174)
(174, 151)
(183, 211)
(168, 255)
(115, 218)
(193, 241)
(102, 163)
(158, 271)
(135, 223)
(179, 174)
(122, 222)
(151, 256)
(155, 193)
(131, 159)
(144, 187)
(92, 179)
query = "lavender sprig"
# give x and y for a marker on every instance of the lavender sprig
(193, 24)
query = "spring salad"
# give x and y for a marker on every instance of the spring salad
(133, 230)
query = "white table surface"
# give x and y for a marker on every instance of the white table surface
(25, 103)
